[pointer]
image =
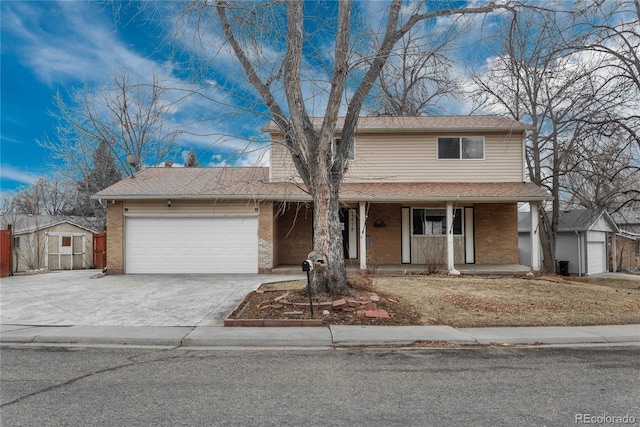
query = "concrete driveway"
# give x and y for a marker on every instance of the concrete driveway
(82, 298)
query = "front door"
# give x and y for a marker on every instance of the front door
(348, 221)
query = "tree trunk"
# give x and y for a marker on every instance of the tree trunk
(329, 271)
(548, 240)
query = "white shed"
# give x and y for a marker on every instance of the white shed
(51, 242)
(583, 240)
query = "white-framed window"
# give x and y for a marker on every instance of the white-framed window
(16, 242)
(433, 221)
(461, 147)
(335, 142)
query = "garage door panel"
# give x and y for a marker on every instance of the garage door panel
(596, 257)
(191, 245)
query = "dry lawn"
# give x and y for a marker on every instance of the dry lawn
(467, 301)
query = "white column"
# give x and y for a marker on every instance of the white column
(535, 237)
(46, 250)
(363, 236)
(614, 252)
(450, 254)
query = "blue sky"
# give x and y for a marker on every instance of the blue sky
(55, 46)
(50, 47)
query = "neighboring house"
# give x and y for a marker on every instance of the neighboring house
(419, 190)
(628, 241)
(584, 241)
(50, 242)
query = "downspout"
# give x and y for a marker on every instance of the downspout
(579, 253)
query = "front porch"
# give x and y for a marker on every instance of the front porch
(413, 269)
(411, 238)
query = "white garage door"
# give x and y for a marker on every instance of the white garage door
(191, 245)
(596, 257)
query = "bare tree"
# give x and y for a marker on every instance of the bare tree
(417, 78)
(43, 197)
(614, 34)
(608, 178)
(539, 78)
(286, 82)
(129, 117)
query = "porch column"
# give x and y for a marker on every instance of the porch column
(450, 254)
(614, 252)
(363, 236)
(535, 237)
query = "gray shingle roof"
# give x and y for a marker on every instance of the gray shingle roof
(253, 184)
(28, 223)
(422, 123)
(568, 221)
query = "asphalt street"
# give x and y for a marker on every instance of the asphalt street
(59, 386)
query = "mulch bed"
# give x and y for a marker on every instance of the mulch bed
(356, 307)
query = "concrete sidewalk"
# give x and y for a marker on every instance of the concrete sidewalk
(82, 307)
(315, 337)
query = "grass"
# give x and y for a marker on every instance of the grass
(479, 301)
(506, 301)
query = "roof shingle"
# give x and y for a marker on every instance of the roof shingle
(377, 124)
(253, 183)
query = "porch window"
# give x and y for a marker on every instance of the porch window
(433, 222)
(465, 148)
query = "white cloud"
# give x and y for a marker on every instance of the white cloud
(12, 173)
(64, 42)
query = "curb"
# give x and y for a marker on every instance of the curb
(335, 336)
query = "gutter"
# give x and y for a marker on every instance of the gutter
(307, 198)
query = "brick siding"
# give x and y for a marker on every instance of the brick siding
(115, 238)
(496, 233)
(293, 233)
(385, 241)
(265, 238)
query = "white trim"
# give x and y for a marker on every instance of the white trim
(460, 147)
(188, 215)
(535, 237)
(406, 235)
(469, 246)
(450, 246)
(363, 236)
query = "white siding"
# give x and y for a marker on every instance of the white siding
(188, 208)
(567, 250)
(524, 248)
(413, 158)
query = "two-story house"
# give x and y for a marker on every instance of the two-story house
(441, 191)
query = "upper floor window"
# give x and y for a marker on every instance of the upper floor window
(335, 142)
(466, 147)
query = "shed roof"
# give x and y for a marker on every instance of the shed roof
(22, 224)
(570, 221)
